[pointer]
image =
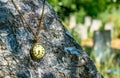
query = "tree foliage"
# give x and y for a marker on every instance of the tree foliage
(91, 7)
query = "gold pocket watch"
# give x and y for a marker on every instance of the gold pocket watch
(37, 51)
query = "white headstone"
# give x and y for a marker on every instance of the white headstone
(81, 31)
(88, 21)
(109, 26)
(96, 24)
(72, 22)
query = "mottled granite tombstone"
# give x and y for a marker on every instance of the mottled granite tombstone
(64, 57)
(102, 45)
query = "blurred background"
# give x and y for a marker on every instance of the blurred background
(95, 24)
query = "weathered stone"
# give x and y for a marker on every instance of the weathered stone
(81, 31)
(102, 45)
(4, 62)
(96, 24)
(7, 77)
(87, 21)
(54, 37)
(109, 26)
(72, 22)
(1, 74)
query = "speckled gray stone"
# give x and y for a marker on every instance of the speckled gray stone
(64, 57)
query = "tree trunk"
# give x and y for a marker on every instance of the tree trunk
(63, 58)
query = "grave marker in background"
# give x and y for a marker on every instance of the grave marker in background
(96, 24)
(72, 22)
(109, 26)
(102, 45)
(81, 31)
(88, 21)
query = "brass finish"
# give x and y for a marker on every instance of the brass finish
(37, 51)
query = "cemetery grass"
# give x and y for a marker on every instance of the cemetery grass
(109, 68)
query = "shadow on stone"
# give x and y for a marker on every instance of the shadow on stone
(49, 75)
